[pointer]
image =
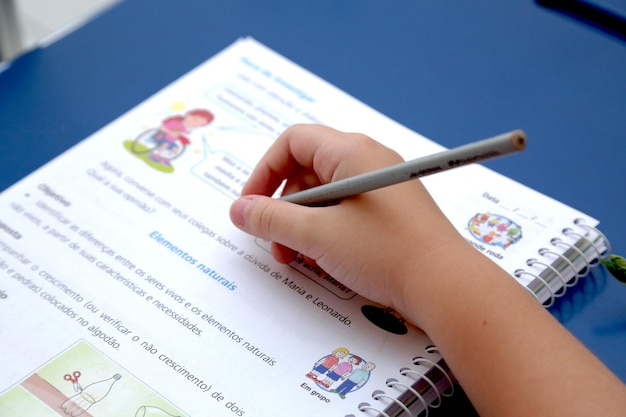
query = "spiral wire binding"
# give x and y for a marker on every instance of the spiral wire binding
(419, 359)
(366, 407)
(431, 349)
(532, 262)
(561, 271)
(607, 251)
(550, 302)
(576, 273)
(594, 261)
(554, 279)
(407, 372)
(424, 390)
(378, 394)
(393, 383)
(556, 241)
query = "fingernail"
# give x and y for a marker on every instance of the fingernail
(237, 210)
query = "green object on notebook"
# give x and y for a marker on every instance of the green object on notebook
(617, 267)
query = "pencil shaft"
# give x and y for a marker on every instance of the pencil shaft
(463, 155)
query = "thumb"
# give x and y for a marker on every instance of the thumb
(287, 224)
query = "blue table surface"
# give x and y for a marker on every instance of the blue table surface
(455, 71)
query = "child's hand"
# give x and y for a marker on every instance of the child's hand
(371, 242)
(394, 246)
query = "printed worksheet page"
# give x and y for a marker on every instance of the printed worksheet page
(125, 290)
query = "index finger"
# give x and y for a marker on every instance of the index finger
(327, 152)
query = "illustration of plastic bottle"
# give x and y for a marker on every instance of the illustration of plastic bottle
(89, 395)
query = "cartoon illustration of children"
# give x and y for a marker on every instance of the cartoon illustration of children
(171, 134)
(323, 365)
(487, 238)
(158, 146)
(356, 378)
(494, 229)
(503, 226)
(339, 370)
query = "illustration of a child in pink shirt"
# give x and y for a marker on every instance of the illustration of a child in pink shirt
(173, 130)
(339, 370)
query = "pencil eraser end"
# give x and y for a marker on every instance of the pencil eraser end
(518, 139)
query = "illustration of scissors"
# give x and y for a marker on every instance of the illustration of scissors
(74, 378)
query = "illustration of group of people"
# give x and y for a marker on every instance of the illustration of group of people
(341, 365)
(494, 229)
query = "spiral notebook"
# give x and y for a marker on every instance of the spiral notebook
(125, 289)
